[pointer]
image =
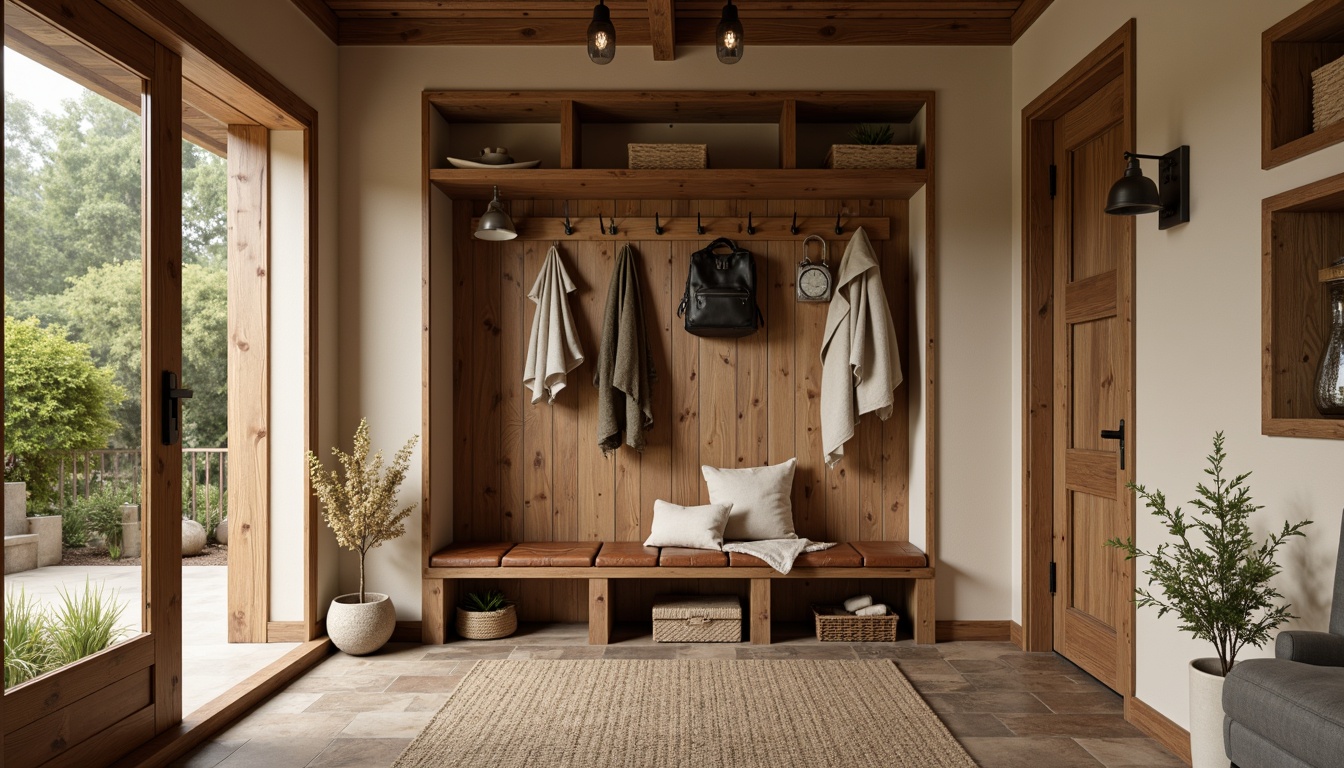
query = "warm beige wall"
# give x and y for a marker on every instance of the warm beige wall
(282, 40)
(380, 255)
(1198, 300)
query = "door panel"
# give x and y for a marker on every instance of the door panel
(1093, 375)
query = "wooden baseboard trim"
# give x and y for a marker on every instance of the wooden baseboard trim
(211, 719)
(286, 632)
(406, 632)
(1158, 727)
(990, 631)
(1015, 634)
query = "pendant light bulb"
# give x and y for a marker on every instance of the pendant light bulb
(728, 36)
(601, 35)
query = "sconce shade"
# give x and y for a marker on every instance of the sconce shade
(496, 223)
(601, 35)
(728, 36)
(1134, 193)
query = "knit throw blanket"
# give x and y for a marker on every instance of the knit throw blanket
(778, 553)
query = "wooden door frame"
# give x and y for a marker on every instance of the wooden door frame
(1113, 58)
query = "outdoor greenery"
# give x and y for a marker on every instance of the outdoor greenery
(74, 526)
(360, 502)
(55, 398)
(102, 512)
(210, 507)
(73, 270)
(486, 602)
(1221, 591)
(38, 640)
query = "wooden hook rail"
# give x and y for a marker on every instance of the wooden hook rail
(684, 228)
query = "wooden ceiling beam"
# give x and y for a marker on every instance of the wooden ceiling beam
(321, 15)
(662, 30)
(1026, 15)
(501, 8)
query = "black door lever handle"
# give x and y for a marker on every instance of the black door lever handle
(1117, 434)
(172, 416)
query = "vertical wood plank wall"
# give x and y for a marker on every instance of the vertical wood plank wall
(526, 472)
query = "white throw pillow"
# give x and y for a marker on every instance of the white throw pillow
(761, 498)
(694, 527)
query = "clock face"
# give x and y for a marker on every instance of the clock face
(814, 282)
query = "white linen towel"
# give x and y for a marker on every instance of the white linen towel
(873, 610)
(855, 603)
(860, 362)
(554, 348)
(777, 553)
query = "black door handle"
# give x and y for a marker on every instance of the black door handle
(1117, 434)
(172, 422)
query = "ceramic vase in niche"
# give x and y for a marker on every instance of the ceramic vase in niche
(1330, 378)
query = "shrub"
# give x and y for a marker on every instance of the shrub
(86, 624)
(101, 512)
(28, 650)
(74, 526)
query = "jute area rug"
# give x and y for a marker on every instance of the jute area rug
(699, 713)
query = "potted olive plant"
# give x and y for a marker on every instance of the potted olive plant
(1221, 588)
(360, 505)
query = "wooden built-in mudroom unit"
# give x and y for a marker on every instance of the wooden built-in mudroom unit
(500, 469)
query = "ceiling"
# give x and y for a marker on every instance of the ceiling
(667, 24)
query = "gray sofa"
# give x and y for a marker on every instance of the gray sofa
(1288, 711)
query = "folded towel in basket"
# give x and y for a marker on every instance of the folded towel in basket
(873, 610)
(855, 603)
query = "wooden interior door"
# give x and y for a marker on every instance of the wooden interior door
(1093, 386)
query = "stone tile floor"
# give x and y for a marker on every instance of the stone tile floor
(1007, 707)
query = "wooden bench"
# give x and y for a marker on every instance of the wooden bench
(602, 562)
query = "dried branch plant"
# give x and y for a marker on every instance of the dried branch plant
(360, 502)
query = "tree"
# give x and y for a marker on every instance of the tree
(55, 399)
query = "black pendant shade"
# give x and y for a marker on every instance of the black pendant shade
(1169, 198)
(728, 36)
(601, 35)
(1134, 193)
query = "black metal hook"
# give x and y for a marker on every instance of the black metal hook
(699, 230)
(839, 230)
(601, 224)
(613, 223)
(793, 228)
(751, 230)
(569, 228)
(657, 226)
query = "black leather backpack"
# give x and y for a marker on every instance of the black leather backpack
(720, 298)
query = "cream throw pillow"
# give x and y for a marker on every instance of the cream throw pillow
(694, 527)
(761, 498)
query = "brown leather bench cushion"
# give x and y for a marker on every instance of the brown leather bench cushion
(683, 557)
(840, 556)
(626, 554)
(470, 555)
(890, 554)
(551, 554)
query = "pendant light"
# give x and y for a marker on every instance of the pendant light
(728, 36)
(495, 224)
(601, 35)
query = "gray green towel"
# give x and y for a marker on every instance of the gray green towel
(624, 370)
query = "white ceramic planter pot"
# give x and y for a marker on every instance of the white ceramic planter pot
(1206, 715)
(361, 628)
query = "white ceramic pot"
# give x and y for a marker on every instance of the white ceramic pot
(1206, 715)
(361, 628)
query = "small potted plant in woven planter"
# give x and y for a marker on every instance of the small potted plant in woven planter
(360, 506)
(872, 148)
(486, 616)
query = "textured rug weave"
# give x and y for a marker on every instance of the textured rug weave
(693, 712)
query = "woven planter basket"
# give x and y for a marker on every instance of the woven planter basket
(669, 156)
(861, 156)
(491, 625)
(1327, 94)
(836, 625)
(715, 619)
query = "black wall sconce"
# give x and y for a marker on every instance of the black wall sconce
(601, 35)
(728, 36)
(1135, 193)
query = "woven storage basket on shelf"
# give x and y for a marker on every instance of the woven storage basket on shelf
(704, 619)
(836, 625)
(860, 156)
(487, 625)
(1327, 94)
(669, 156)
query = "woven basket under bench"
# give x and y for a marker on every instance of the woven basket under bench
(836, 625)
(703, 619)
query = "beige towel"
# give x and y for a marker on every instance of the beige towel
(624, 369)
(876, 609)
(554, 348)
(860, 362)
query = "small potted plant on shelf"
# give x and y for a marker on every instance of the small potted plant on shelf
(360, 506)
(1221, 589)
(871, 147)
(486, 616)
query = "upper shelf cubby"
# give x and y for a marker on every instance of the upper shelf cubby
(759, 143)
(1306, 40)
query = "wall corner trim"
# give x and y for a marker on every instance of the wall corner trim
(1159, 727)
